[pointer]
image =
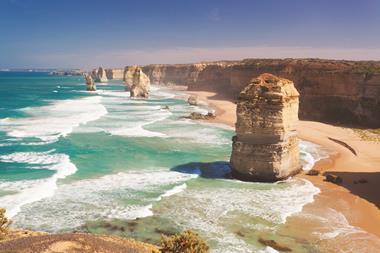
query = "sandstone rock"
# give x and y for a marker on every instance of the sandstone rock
(333, 179)
(273, 244)
(312, 172)
(100, 75)
(265, 147)
(137, 81)
(200, 116)
(331, 90)
(90, 85)
(116, 74)
(193, 100)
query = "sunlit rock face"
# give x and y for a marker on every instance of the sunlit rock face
(90, 85)
(137, 82)
(100, 75)
(265, 147)
(339, 91)
(115, 74)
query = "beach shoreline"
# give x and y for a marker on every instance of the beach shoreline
(356, 198)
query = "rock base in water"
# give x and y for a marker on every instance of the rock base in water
(137, 82)
(90, 85)
(100, 75)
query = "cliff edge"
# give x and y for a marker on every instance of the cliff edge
(334, 91)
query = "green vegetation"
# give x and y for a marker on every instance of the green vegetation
(4, 224)
(368, 134)
(186, 242)
(366, 66)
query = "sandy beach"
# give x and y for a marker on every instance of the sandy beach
(355, 160)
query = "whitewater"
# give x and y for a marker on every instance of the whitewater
(71, 160)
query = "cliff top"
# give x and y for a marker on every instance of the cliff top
(269, 86)
(323, 64)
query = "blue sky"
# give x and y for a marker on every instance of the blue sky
(84, 33)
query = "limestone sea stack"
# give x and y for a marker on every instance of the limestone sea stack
(90, 85)
(265, 147)
(137, 81)
(100, 75)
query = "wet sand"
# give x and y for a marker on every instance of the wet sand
(355, 160)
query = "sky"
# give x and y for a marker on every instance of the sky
(115, 33)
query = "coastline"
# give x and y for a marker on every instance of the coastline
(356, 198)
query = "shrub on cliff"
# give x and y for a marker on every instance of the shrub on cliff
(4, 223)
(186, 242)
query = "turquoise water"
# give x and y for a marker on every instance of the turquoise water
(105, 163)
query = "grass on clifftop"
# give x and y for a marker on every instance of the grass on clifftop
(368, 134)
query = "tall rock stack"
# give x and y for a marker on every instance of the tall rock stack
(90, 85)
(137, 81)
(100, 75)
(265, 147)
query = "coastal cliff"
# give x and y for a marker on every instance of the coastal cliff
(117, 74)
(330, 90)
(265, 147)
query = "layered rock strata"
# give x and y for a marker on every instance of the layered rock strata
(265, 147)
(330, 90)
(100, 75)
(137, 82)
(90, 85)
(116, 74)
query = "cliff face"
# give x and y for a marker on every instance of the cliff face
(332, 91)
(265, 147)
(137, 81)
(117, 74)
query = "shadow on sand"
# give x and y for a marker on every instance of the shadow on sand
(363, 184)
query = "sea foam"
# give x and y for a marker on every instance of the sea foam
(111, 196)
(50, 122)
(29, 191)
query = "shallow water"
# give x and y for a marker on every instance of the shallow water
(75, 160)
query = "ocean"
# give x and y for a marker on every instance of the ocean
(101, 162)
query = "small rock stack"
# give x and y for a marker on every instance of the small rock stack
(265, 147)
(100, 75)
(90, 85)
(137, 81)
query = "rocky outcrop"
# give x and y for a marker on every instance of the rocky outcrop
(333, 179)
(265, 147)
(200, 116)
(90, 85)
(137, 81)
(331, 90)
(193, 100)
(99, 75)
(116, 74)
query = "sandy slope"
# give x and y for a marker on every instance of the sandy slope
(357, 199)
(75, 243)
